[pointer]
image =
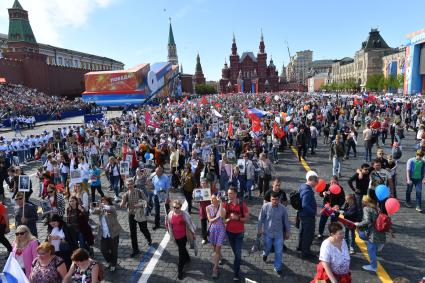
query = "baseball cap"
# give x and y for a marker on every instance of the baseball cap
(310, 174)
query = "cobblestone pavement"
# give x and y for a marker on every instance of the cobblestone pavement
(402, 256)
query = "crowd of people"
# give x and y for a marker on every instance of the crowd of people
(19, 100)
(212, 152)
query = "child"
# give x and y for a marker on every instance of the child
(392, 167)
(350, 213)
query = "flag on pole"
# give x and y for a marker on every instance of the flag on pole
(216, 113)
(230, 129)
(256, 124)
(278, 131)
(204, 100)
(13, 272)
(148, 120)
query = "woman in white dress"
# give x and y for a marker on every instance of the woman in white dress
(335, 256)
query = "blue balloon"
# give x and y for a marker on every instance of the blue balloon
(147, 155)
(382, 192)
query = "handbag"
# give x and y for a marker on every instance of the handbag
(139, 214)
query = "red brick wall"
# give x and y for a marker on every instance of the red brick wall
(11, 70)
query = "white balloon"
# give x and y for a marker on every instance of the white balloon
(288, 118)
(277, 119)
(276, 97)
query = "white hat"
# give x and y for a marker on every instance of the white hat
(309, 174)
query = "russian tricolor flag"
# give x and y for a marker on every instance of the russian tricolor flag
(12, 272)
(256, 112)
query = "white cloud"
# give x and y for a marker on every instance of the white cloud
(49, 17)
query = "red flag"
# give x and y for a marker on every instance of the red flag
(278, 131)
(230, 129)
(268, 99)
(149, 122)
(217, 105)
(183, 101)
(204, 100)
(256, 124)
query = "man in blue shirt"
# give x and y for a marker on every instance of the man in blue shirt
(273, 223)
(307, 215)
(161, 185)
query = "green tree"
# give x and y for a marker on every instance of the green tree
(392, 83)
(400, 79)
(205, 89)
(375, 82)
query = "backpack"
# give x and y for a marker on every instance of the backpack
(383, 223)
(397, 153)
(295, 200)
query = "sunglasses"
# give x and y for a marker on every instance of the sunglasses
(176, 207)
(19, 198)
(20, 233)
(41, 254)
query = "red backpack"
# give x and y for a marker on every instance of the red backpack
(383, 222)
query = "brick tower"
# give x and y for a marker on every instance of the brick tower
(198, 77)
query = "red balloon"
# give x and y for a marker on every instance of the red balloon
(392, 205)
(321, 185)
(335, 189)
(177, 120)
(376, 124)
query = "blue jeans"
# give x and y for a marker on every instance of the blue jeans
(418, 187)
(64, 177)
(371, 249)
(115, 184)
(351, 242)
(235, 241)
(336, 165)
(248, 187)
(274, 153)
(368, 150)
(277, 242)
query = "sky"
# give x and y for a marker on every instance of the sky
(136, 31)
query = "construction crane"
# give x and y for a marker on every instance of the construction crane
(289, 53)
(291, 75)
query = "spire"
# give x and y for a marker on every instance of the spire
(225, 64)
(198, 64)
(262, 46)
(19, 25)
(171, 35)
(271, 62)
(172, 48)
(199, 75)
(234, 48)
(17, 5)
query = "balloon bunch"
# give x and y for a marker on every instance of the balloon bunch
(392, 205)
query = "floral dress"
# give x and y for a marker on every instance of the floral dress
(46, 274)
(80, 276)
(217, 229)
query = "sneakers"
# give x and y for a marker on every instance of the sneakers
(319, 237)
(236, 278)
(112, 268)
(204, 242)
(408, 204)
(352, 251)
(264, 258)
(418, 209)
(277, 271)
(117, 199)
(369, 268)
